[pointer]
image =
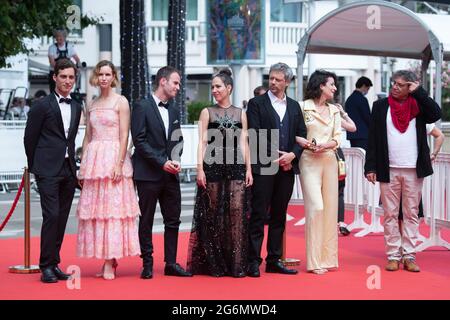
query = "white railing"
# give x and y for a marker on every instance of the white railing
(436, 202)
(360, 195)
(13, 158)
(280, 33)
(355, 188)
(157, 32)
(284, 33)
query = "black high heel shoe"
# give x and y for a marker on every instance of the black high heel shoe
(344, 231)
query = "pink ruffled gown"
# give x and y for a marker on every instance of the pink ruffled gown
(107, 211)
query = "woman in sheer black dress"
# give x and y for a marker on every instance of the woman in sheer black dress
(218, 241)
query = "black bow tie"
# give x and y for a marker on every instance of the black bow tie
(164, 105)
(66, 100)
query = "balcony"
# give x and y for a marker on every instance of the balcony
(281, 40)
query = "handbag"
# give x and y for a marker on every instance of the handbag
(342, 170)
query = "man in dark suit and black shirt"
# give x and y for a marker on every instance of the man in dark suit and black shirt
(49, 141)
(272, 187)
(358, 110)
(155, 128)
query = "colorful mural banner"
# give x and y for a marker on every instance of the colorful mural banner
(236, 31)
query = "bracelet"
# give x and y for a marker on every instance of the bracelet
(435, 154)
(337, 143)
(344, 115)
(121, 161)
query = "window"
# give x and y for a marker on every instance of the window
(160, 10)
(285, 12)
(192, 10)
(77, 32)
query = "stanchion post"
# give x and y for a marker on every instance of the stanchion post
(27, 268)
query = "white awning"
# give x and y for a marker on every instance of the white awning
(378, 28)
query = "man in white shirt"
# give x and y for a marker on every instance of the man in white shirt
(271, 112)
(61, 49)
(398, 157)
(49, 141)
(156, 163)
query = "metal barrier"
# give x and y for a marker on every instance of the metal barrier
(360, 195)
(11, 177)
(355, 188)
(355, 194)
(436, 202)
(190, 145)
(13, 158)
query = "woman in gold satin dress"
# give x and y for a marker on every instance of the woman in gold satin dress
(319, 171)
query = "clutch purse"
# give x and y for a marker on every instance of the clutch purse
(342, 171)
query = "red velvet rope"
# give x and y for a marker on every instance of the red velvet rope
(13, 207)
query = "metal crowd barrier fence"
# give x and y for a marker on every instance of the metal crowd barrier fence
(436, 202)
(355, 188)
(360, 195)
(13, 158)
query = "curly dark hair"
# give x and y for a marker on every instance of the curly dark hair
(318, 78)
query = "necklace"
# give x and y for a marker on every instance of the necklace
(223, 107)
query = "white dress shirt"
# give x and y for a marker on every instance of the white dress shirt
(164, 115)
(66, 114)
(278, 104)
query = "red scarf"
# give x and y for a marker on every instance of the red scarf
(403, 112)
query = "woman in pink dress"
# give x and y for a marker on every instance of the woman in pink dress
(108, 207)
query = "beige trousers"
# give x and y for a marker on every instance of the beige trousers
(403, 184)
(319, 180)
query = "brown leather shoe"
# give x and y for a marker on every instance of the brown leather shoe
(410, 265)
(393, 265)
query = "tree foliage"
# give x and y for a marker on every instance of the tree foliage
(27, 19)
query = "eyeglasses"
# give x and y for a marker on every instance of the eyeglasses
(400, 85)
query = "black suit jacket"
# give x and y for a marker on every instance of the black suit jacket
(152, 149)
(261, 115)
(44, 139)
(358, 110)
(377, 155)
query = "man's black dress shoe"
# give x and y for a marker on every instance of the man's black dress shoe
(48, 276)
(253, 271)
(60, 274)
(278, 267)
(241, 274)
(176, 270)
(147, 272)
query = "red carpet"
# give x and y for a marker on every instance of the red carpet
(348, 282)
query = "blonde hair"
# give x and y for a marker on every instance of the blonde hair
(93, 80)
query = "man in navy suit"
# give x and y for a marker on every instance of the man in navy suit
(358, 110)
(49, 141)
(155, 128)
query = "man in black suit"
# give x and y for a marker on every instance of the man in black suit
(276, 120)
(155, 128)
(358, 110)
(49, 140)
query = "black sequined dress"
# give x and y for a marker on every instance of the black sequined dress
(218, 241)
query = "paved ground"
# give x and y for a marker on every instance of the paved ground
(15, 226)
